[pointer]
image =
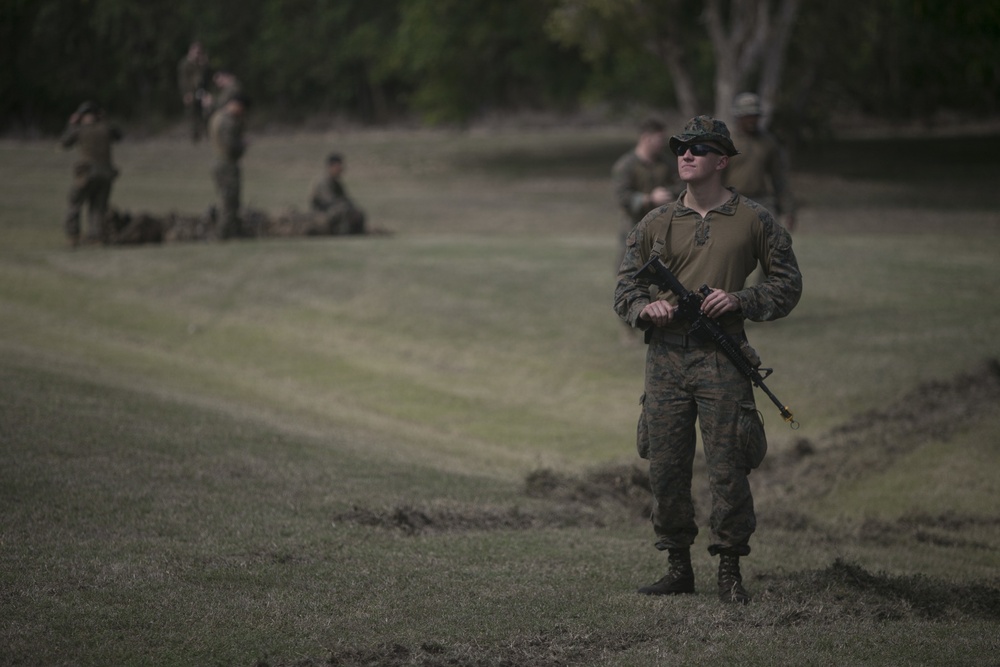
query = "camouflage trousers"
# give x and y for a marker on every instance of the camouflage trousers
(227, 187)
(684, 385)
(344, 219)
(90, 189)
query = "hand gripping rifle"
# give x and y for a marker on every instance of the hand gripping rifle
(705, 328)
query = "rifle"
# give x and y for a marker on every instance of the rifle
(705, 328)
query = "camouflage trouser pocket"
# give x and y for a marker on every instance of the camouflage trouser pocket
(752, 434)
(642, 431)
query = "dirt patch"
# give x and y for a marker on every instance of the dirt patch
(875, 440)
(848, 590)
(599, 498)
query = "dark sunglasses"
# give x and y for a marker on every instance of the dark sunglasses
(697, 150)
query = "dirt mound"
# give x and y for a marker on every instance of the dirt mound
(848, 590)
(599, 498)
(875, 440)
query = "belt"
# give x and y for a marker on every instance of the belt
(683, 340)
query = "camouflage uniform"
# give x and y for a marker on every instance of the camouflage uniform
(93, 174)
(632, 179)
(760, 171)
(687, 379)
(339, 214)
(226, 132)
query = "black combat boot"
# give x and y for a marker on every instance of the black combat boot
(679, 577)
(731, 581)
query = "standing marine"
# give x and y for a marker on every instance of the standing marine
(93, 173)
(712, 236)
(642, 179)
(226, 129)
(760, 171)
(192, 81)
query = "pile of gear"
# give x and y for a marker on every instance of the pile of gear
(127, 228)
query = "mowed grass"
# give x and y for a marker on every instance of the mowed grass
(187, 430)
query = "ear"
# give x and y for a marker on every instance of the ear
(722, 163)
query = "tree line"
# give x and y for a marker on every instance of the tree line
(452, 61)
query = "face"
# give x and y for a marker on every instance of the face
(335, 169)
(694, 168)
(749, 123)
(654, 142)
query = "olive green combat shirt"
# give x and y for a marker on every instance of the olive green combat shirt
(94, 143)
(632, 179)
(226, 131)
(720, 250)
(760, 171)
(191, 76)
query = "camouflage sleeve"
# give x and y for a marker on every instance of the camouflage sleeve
(69, 136)
(631, 296)
(780, 291)
(626, 195)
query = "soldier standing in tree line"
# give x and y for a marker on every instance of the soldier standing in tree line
(192, 80)
(329, 199)
(93, 174)
(710, 236)
(642, 180)
(226, 132)
(760, 171)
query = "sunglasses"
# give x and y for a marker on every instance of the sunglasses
(697, 150)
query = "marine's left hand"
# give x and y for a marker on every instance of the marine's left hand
(718, 303)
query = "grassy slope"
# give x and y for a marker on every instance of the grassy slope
(182, 425)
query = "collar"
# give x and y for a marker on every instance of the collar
(727, 208)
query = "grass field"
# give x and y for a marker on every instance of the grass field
(418, 448)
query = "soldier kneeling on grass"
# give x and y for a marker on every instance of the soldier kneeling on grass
(330, 202)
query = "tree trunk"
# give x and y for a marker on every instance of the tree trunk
(773, 66)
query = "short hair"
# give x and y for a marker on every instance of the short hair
(652, 124)
(334, 158)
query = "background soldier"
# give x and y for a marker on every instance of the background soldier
(760, 171)
(329, 198)
(226, 133)
(642, 180)
(192, 80)
(93, 174)
(226, 86)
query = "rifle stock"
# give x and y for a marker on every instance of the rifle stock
(702, 326)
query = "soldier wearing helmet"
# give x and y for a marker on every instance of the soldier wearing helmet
(761, 170)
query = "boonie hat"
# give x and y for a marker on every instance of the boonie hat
(705, 128)
(746, 104)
